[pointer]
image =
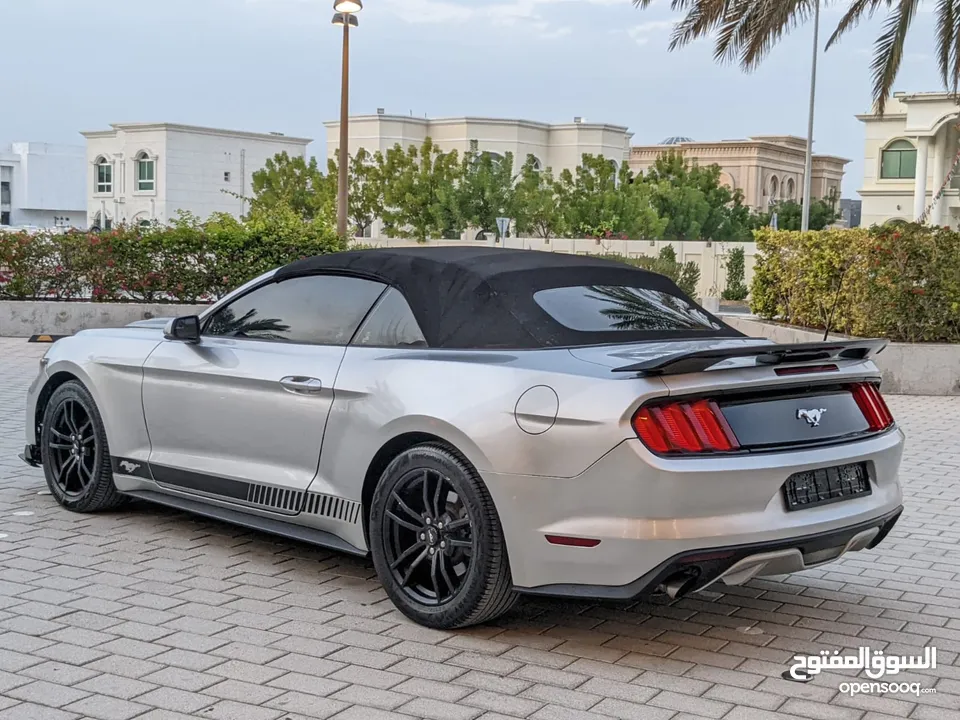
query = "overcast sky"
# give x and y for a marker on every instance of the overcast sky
(274, 65)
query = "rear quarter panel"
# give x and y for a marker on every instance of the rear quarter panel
(109, 364)
(470, 399)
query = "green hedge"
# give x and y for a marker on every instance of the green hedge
(900, 283)
(685, 275)
(189, 261)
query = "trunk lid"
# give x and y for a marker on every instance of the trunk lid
(771, 396)
(617, 356)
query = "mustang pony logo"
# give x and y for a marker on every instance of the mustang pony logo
(128, 466)
(811, 416)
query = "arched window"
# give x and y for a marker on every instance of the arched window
(898, 161)
(791, 189)
(496, 157)
(146, 173)
(104, 176)
(99, 225)
(774, 188)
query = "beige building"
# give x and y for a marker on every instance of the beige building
(558, 147)
(766, 168)
(907, 156)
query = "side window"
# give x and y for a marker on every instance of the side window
(391, 324)
(315, 310)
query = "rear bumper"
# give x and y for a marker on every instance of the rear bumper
(737, 564)
(645, 510)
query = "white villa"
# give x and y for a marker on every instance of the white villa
(145, 172)
(908, 155)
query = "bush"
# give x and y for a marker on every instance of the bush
(685, 275)
(736, 272)
(189, 261)
(901, 283)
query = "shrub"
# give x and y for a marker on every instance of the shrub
(736, 272)
(685, 275)
(188, 261)
(901, 283)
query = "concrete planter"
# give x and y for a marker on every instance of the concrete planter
(908, 368)
(23, 318)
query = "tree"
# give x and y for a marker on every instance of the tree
(746, 30)
(536, 202)
(694, 203)
(736, 272)
(419, 191)
(485, 191)
(600, 201)
(365, 202)
(789, 212)
(297, 184)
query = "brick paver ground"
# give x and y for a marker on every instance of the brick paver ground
(156, 615)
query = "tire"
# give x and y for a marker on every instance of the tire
(462, 573)
(74, 451)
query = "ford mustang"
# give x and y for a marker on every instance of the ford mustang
(483, 422)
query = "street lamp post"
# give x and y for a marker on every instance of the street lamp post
(345, 15)
(808, 162)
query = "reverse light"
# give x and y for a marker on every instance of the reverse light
(684, 427)
(873, 406)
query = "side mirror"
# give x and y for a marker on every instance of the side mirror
(186, 328)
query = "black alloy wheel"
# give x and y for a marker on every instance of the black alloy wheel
(73, 446)
(74, 451)
(428, 537)
(436, 540)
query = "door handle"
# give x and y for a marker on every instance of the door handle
(301, 385)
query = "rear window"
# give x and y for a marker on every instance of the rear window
(607, 308)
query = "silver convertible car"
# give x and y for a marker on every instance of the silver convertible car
(485, 423)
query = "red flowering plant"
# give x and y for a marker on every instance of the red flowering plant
(188, 261)
(911, 290)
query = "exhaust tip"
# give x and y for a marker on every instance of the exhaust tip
(676, 586)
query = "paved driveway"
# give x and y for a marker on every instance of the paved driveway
(156, 615)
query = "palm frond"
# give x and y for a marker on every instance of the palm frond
(948, 42)
(956, 50)
(852, 17)
(773, 20)
(888, 50)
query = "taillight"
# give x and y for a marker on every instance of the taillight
(684, 427)
(873, 406)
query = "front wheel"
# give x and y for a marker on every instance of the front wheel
(74, 451)
(437, 543)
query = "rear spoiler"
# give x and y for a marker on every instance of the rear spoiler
(700, 360)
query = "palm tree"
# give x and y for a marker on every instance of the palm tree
(748, 29)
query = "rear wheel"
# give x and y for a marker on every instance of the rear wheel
(437, 543)
(73, 447)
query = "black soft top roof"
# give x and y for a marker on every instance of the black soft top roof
(482, 297)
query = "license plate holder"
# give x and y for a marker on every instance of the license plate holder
(823, 486)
